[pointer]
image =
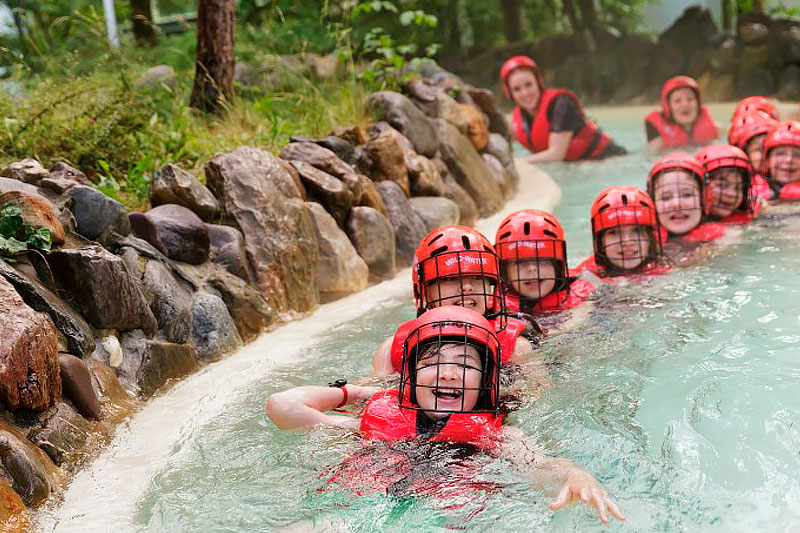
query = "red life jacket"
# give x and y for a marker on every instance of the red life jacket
(761, 187)
(588, 143)
(507, 337)
(749, 215)
(385, 420)
(706, 232)
(567, 298)
(790, 192)
(650, 269)
(673, 136)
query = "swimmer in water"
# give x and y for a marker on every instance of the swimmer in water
(683, 119)
(449, 391)
(729, 195)
(780, 163)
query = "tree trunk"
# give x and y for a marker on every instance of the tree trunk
(569, 9)
(142, 22)
(727, 15)
(588, 22)
(213, 78)
(512, 18)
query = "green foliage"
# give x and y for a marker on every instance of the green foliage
(16, 237)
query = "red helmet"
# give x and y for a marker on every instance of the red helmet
(756, 105)
(452, 252)
(623, 205)
(673, 161)
(451, 325)
(674, 83)
(782, 134)
(517, 62)
(715, 157)
(746, 126)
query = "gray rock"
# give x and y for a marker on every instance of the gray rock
(436, 211)
(500, 148)
(31, 473)
(468, 168)
(100, 286)
(157, 76)
(789, 86)
(372, 236)
(148, 364)
(466, 207)
(325, 189)
(170, 301)
(344, 150)
(64, 435)
(174, 229)
(406, 118)
(409, 229)
(77, 333)
(11, 184)
(339, 268)
(27, 171)
(96, 214)
(501, 180)
(257, 193)
(213, 330)
(227, 249)
(63, 171)
(173, 185)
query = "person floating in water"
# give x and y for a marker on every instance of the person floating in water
(730, 196)
(682, 120)
(625, 235)
(780, 162)
(549, 121)
(449, 393)
(747, 133)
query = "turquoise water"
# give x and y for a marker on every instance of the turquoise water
(679, 393)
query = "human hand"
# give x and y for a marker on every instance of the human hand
(581, 486)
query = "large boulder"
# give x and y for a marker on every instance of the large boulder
(27, 171)
(148, 364)
(501, 179)
(13, 513)
(406, 118)
(227, 249)
(388, 162)
(37, 212)
(467, 118)
(116, 403)
(175, 231)
(370, 196)
(66, 436)
(500, 148)
(424, 177)
(170, 301)
(213, 330)
(28, 469)
(259, 195)
(96, 214)
(76, 382)
(342, 148)
(63, 171)
(372, 236)
(11, 184)
(468, 168)
(251, 313)
(436, 211)
(29, 374)
(753, 76)
(320, 157)
(98, 283)
(409, 229)
(485, 100)
(339, 268)
(76, 332)
(173, 185)
(325, 189)
(466, 206)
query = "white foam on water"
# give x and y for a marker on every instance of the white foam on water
(104, 495)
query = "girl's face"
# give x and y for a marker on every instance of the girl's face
(532, 278)
(784, 164)
(465, 291)
(725, 191)
(448, 379)
(683, 106)
(626, 246)
(753, 150)
(524, 90)
(677, 199)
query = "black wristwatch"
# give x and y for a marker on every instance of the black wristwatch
(341, 382)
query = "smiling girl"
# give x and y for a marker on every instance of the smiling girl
(683, 119)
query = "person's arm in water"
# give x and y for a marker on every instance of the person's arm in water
(566, 119)
(557, 146)
(305, 407)
(560, 477)
(533, 366)
(654, 141)
(382, 360)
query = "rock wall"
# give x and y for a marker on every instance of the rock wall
(125, 302)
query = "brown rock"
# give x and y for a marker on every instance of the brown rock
(77, 385)
(423, 89)
(63, 171)
(499, 174)
(173, 228)
(409, 229)
(467, 118)
(170, 300)
(260, 196)
(317, 156)
(29, 470)
(149, 364)
(436, 211)
(466, 206)
(340, 270)
(101, 287)
(372, 236)
(227, 249)
(13, 514)
(370, 196)
(406, 118)
(326, 189)
(477, 129)
(500, 148)
(424, 177)
(116, 403)
(37, 212)
(27, 170)
(353, 134)
(66, 437)
(295, 177)
(486, 102)
(388, 162)
(173, 185)
(29, 375)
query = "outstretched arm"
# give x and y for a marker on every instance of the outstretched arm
(569, 482)
(557, 145)
(305, 407)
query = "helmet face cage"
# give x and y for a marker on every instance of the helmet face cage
(524, 262)
(728, 188)
(642, 244)
(675, 190)
(450, 355)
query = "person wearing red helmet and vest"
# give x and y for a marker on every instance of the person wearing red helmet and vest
(449, 394)
(533, 260)
(675, 184)
(756, 105)
(549, 121)
(625, 236)
(780, 162)
(683, 119)
(747, 133)
(457, 265)
(727, 184)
